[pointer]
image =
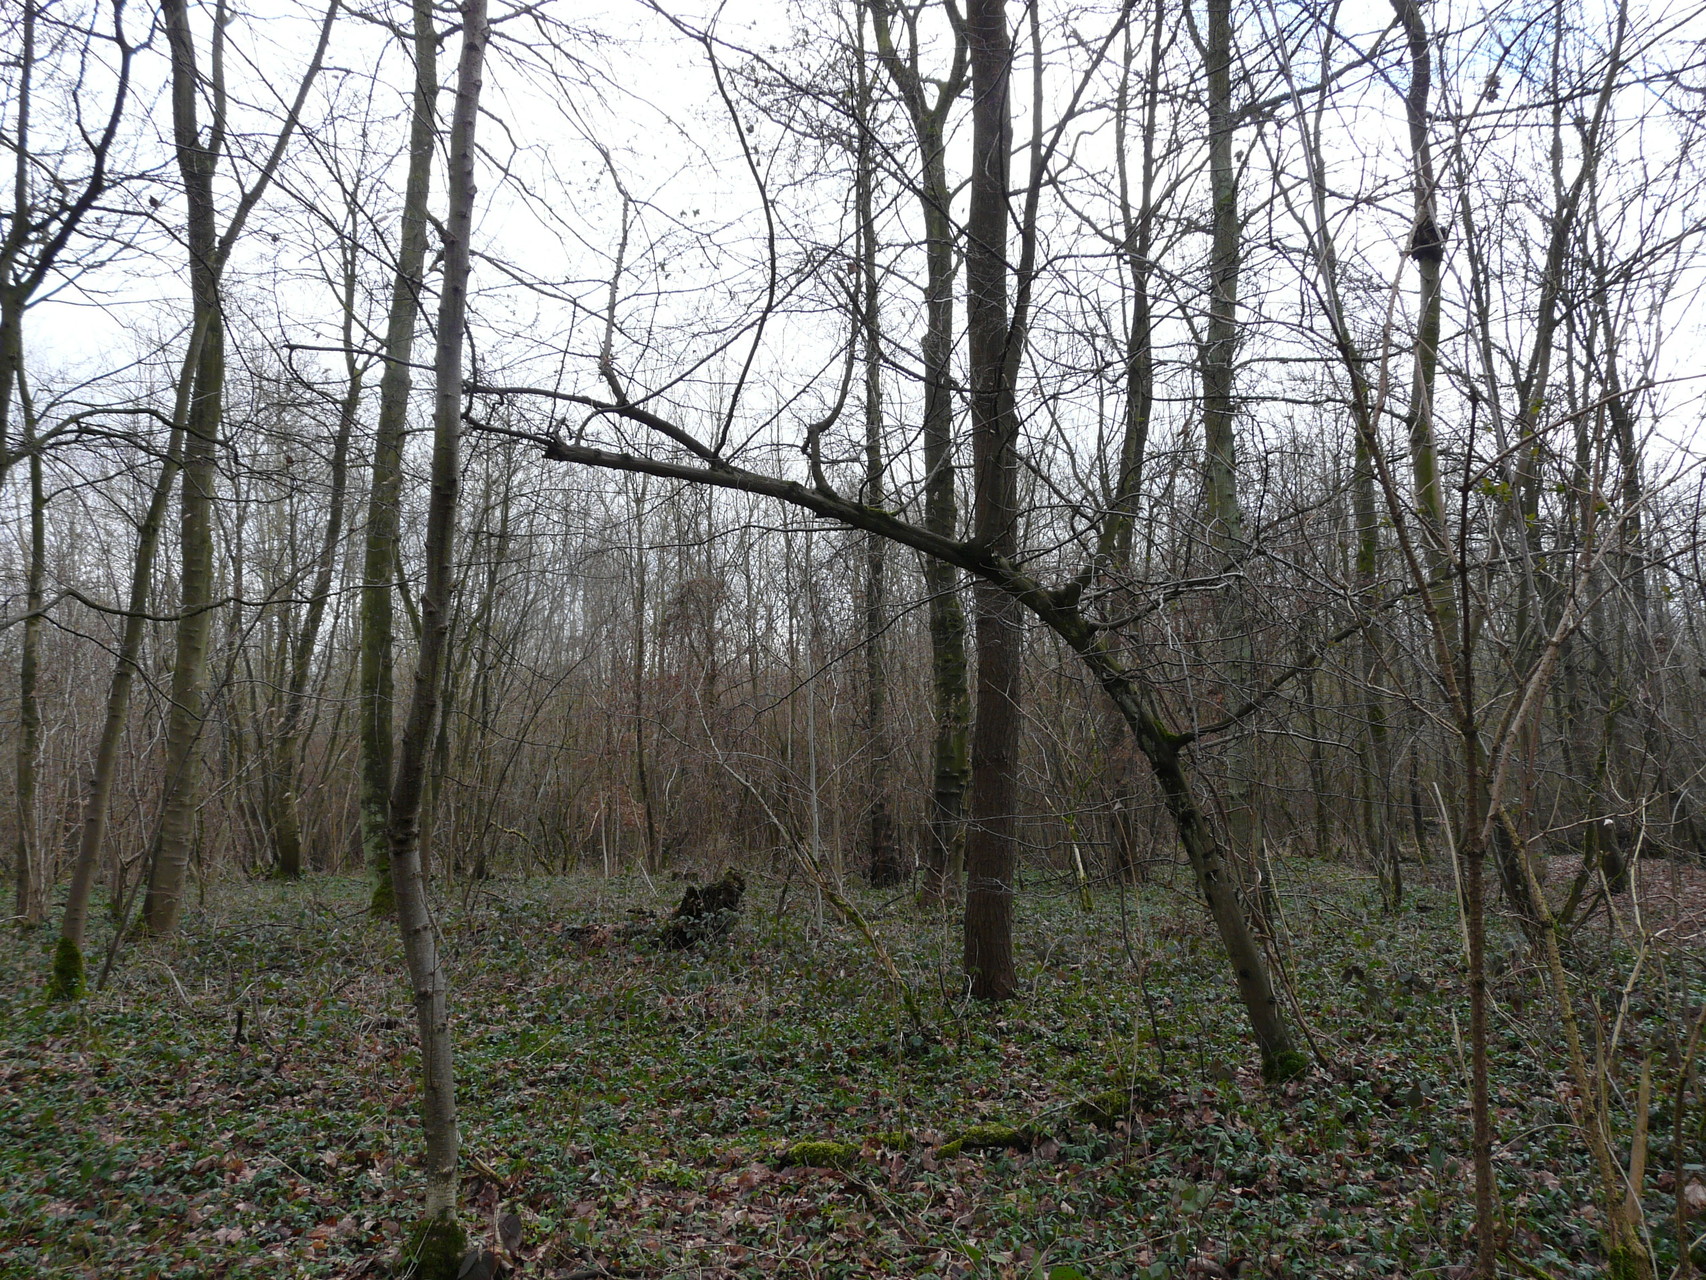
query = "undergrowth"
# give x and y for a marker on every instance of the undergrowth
(241, 1102)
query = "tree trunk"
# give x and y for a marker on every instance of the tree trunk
(1138, 226)
(1377, 780)
(1427, 250)
(884, 865)
(1217, 882)
(950, 758)
(642, 619)
(426, 970)
(287, 831)
(29, 903)
(198, 158)
(67, 979)
(992, 847)
(1218, 356)
(380, 549)
(12, 291)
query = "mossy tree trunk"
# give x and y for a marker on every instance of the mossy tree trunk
(24, 851)
(37, 236)
(1452, 631)
(198, 159)
(97, 799)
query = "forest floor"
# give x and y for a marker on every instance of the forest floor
(631, 1104)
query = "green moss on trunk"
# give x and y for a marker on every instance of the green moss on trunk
(1288, 1064)
(435, 1248)
(67, 980)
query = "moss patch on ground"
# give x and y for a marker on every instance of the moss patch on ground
(819, 1153)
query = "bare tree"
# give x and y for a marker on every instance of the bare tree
(441, 1238)
(380, 553)
(198, 156)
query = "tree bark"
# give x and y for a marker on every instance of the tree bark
(426, 969)
(67, 981)
(198, 158)
(29, 903)
(1427, 250)
(1138, 227)
(992, 847)
(198, 161)
(1218, 359)
(950, 754)
(1377, 780)
(28, 900)
(884, 865)
(286, 822)
(380, 550)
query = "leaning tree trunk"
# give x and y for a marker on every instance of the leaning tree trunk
(441, 1236)
(1005, 592)
(379, 552)
(992, 846)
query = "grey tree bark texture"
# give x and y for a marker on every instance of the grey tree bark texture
(29, 902)
(209, 249)
(198, 159)
(1218, 359)
(427, 976)
(379, 550)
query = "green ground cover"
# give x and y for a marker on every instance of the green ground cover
(635, 1106)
